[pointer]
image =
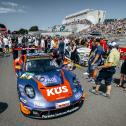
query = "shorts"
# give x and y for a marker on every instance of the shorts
(91, 68)
(123, 68)
(105, 74)
(1, 49)
(6, 46)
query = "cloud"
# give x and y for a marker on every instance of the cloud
(21, 11)
(4, 10)
(11, 4)
(11, 7)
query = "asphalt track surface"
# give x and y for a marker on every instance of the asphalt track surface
(96, 110)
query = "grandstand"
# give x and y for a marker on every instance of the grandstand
(93, 16)
(79, 21)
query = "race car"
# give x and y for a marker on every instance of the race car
(83, 53)
(46, 90)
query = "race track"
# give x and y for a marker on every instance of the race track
(96, 111)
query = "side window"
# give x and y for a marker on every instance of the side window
(28, 66)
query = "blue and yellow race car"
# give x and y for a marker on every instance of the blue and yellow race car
(46, 90)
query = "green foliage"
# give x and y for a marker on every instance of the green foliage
(23, 31)
(9, 32)
(34, 28)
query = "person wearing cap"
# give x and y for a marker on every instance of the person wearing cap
(107, 70)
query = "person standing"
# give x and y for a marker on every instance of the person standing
(1, 45)
(61, 49)
(6, 44)
(107, 70)
(42, 44)
(74, 55)
(123, 73)
(95, 60)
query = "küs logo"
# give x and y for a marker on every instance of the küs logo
(57, 90)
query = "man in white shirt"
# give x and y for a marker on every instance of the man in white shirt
(6, 44)
(52, 44)
(42, 45)
(20, 39)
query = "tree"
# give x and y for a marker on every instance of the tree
(34, 28)
(23, 31)
(9, 31)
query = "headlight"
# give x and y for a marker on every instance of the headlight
(29, 91)
(76, 84)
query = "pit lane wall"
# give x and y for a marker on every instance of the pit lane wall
(57, 33)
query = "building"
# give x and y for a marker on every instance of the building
(93, 16)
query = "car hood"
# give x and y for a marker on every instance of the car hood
(52, 85)
(51, 78)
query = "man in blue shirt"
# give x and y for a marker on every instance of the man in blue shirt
(95, 60)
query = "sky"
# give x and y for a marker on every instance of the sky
(16, 14)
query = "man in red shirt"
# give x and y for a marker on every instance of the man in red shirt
(103, 43)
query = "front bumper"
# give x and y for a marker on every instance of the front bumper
(40, 114)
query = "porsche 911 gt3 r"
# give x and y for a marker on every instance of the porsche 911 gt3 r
(44, 89)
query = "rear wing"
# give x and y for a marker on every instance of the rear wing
(20, 48)
(23, 51)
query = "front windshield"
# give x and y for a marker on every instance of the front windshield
(41, 65)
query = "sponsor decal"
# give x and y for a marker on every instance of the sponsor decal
(38, 104)
(50, 80)
(42, 79)
(53, 93)
(59, 114)
(78, 95)
(23, 100)
(27, 76)
(21, 86)
(63, 104)
(57, 90)
(46, 79)
(23, 94)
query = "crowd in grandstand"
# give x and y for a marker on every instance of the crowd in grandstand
(112, 28)
(84, 21)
